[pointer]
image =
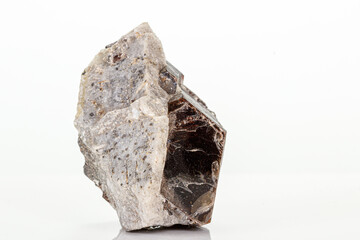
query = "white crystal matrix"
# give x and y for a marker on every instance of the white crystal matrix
(123, 128)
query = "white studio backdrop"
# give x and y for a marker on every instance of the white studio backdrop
(283, 78)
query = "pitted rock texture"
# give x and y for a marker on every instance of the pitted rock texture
(149, 143)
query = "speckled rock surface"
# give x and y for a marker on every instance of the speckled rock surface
(142, 133)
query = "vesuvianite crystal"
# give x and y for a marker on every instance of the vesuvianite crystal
(150, 144)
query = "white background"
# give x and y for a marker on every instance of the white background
(282, 76)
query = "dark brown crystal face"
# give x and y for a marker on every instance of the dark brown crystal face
(194, 151)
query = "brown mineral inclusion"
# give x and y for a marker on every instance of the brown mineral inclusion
(194, 150)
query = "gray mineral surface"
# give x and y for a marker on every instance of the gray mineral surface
(150, 144)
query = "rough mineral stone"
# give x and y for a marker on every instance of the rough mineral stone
(150, 144)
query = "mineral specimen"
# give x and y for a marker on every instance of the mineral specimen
(150, 144)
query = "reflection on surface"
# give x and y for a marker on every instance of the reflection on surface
(173, 233)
